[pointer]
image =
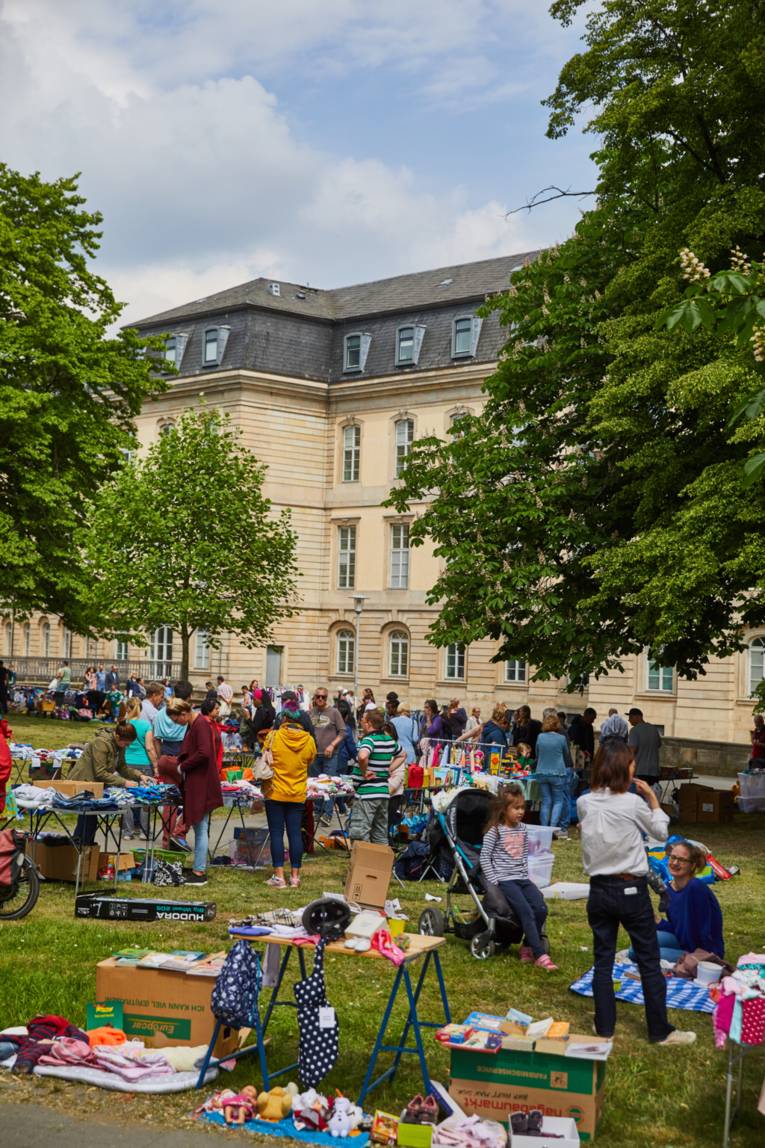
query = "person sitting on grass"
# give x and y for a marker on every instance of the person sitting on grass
(693, 914)
(505, 863)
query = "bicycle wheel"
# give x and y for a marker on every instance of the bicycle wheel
(20, 897)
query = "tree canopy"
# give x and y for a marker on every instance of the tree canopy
(184, 537)
(597, 506)
(69, 390)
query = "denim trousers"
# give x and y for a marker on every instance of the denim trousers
(201, 831)
(564, 820)
(288, 815)
(670, 948)
(553, 791)
(529, 906)
(612, 902)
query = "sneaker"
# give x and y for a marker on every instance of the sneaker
(622, 957)
(180, 843)
(544, 962)
(526, 955)
(196, 879)
(676, 1038)
(276, 882)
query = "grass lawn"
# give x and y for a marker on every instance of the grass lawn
(657, 1097)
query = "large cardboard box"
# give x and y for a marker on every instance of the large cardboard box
(119, 861)
(163, 1007)
(702, 804)
(72, 788)
(519, 1079)
(369, 876)
(56, 859)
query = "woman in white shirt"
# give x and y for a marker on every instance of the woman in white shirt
(612, 823)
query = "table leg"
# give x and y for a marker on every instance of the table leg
(275, 991)
(728, 1097)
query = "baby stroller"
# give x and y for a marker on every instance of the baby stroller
(475, 911)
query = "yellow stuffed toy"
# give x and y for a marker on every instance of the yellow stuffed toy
(274, 1105)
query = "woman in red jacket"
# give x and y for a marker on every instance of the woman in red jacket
(198, 765)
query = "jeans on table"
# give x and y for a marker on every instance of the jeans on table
(670, 948)
(553, 790)
(613, 902)
(288, 815)
(201, 831)
(330, 766)
(529, 906)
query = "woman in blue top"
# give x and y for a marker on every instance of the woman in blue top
(553, 758)
(141, 754)
(694, 917)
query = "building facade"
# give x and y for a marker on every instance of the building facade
(330, 389)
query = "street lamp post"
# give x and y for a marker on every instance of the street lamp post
(358, 606)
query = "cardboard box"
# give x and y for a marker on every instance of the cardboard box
(519, 1079)
(370, 874)
(58, 861)
(559, 1126)
(703, 804)
(163, 1007)
(120, 861)
(72, 788)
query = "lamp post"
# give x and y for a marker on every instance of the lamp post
(358, 606)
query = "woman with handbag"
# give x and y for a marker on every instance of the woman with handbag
(198, 768)
(283, 773)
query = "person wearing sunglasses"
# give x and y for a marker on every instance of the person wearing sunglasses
(329, 732)
(693, 915)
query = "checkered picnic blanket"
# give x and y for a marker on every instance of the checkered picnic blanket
(681, 993)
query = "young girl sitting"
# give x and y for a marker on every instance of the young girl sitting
(505, 863)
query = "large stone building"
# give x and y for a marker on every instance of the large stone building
(330, 388)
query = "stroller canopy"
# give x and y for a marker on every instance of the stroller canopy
(468, 814)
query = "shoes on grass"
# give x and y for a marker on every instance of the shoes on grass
(677, 1038)
(196, 879)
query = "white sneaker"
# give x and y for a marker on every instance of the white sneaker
(676, 1038)
(622, 956)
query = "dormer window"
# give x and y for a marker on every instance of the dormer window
(408, 344)
(174, 348)
(214, 345)
(275, 288)
(170, 350)
(465, 335)
(355, 351)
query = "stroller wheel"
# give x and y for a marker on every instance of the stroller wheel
(483, 946)
(432, 923)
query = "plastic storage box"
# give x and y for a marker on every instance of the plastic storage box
(540, 868)
(540, 839)
(752, 795)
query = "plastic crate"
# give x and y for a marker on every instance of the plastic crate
(540, 869)
(540, 839)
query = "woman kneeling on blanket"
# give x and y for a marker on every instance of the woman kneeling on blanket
(612, 822)
(693, 913)
(505, 863)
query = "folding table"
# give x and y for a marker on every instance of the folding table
(421, 949)
(109, 821)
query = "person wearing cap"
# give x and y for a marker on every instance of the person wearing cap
(645, 741)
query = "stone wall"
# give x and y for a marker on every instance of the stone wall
(723, 759)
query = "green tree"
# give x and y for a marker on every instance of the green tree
(69, 390)
(185, 538)
(597, 506)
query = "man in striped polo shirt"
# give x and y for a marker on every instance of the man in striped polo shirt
(377, 751)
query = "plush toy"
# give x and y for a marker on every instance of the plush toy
(310, 1111)
(344, 1118)
(274, 1105)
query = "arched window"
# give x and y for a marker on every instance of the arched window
(167, 427)
(756, 663)
(398, 654)
(45, 639)
(351, 453)
(404, 440)
(346, 648)
(26, 637)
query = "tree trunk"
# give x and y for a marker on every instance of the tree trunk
(185, 642)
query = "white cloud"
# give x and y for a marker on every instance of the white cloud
(203, 178)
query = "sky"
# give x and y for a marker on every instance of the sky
(327, 142)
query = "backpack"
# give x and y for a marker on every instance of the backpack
(237, 989)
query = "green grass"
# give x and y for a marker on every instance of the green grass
(656, 1097)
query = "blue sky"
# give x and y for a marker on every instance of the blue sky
(325, 141)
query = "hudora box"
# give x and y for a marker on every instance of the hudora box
(515, 1079)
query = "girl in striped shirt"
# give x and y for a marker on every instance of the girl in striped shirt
(505, 863)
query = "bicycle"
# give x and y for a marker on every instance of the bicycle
(20, 885)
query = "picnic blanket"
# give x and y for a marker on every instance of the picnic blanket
(285, 1129)
(681, 993)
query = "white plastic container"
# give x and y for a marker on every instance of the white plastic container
(708, 973)
(540, 869)
(752, 798)
(540, 839)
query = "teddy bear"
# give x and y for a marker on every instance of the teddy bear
(274, 1105)
(345, 1117)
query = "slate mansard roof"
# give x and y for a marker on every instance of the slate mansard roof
(299, 331)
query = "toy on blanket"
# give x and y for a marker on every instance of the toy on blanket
(235, 1107)
(345, 1117)
(277, 1103)
(339, 1116)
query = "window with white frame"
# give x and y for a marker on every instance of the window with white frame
(45, 639)
(201, 650)
(352, 361)
(9, 637)
(399, 556)
(346, 647)
(756, 663)
(463, 337)
(515, 671)
(404, 440)
(210, 353)
(405, 345)
(171, 350)
(162, 651)
(67, 643)
(346, 557)
(167, 427)
(398, 654)
(454, 664)
(121, 650)
(661, 678)
(26, 637)
(351, 453)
